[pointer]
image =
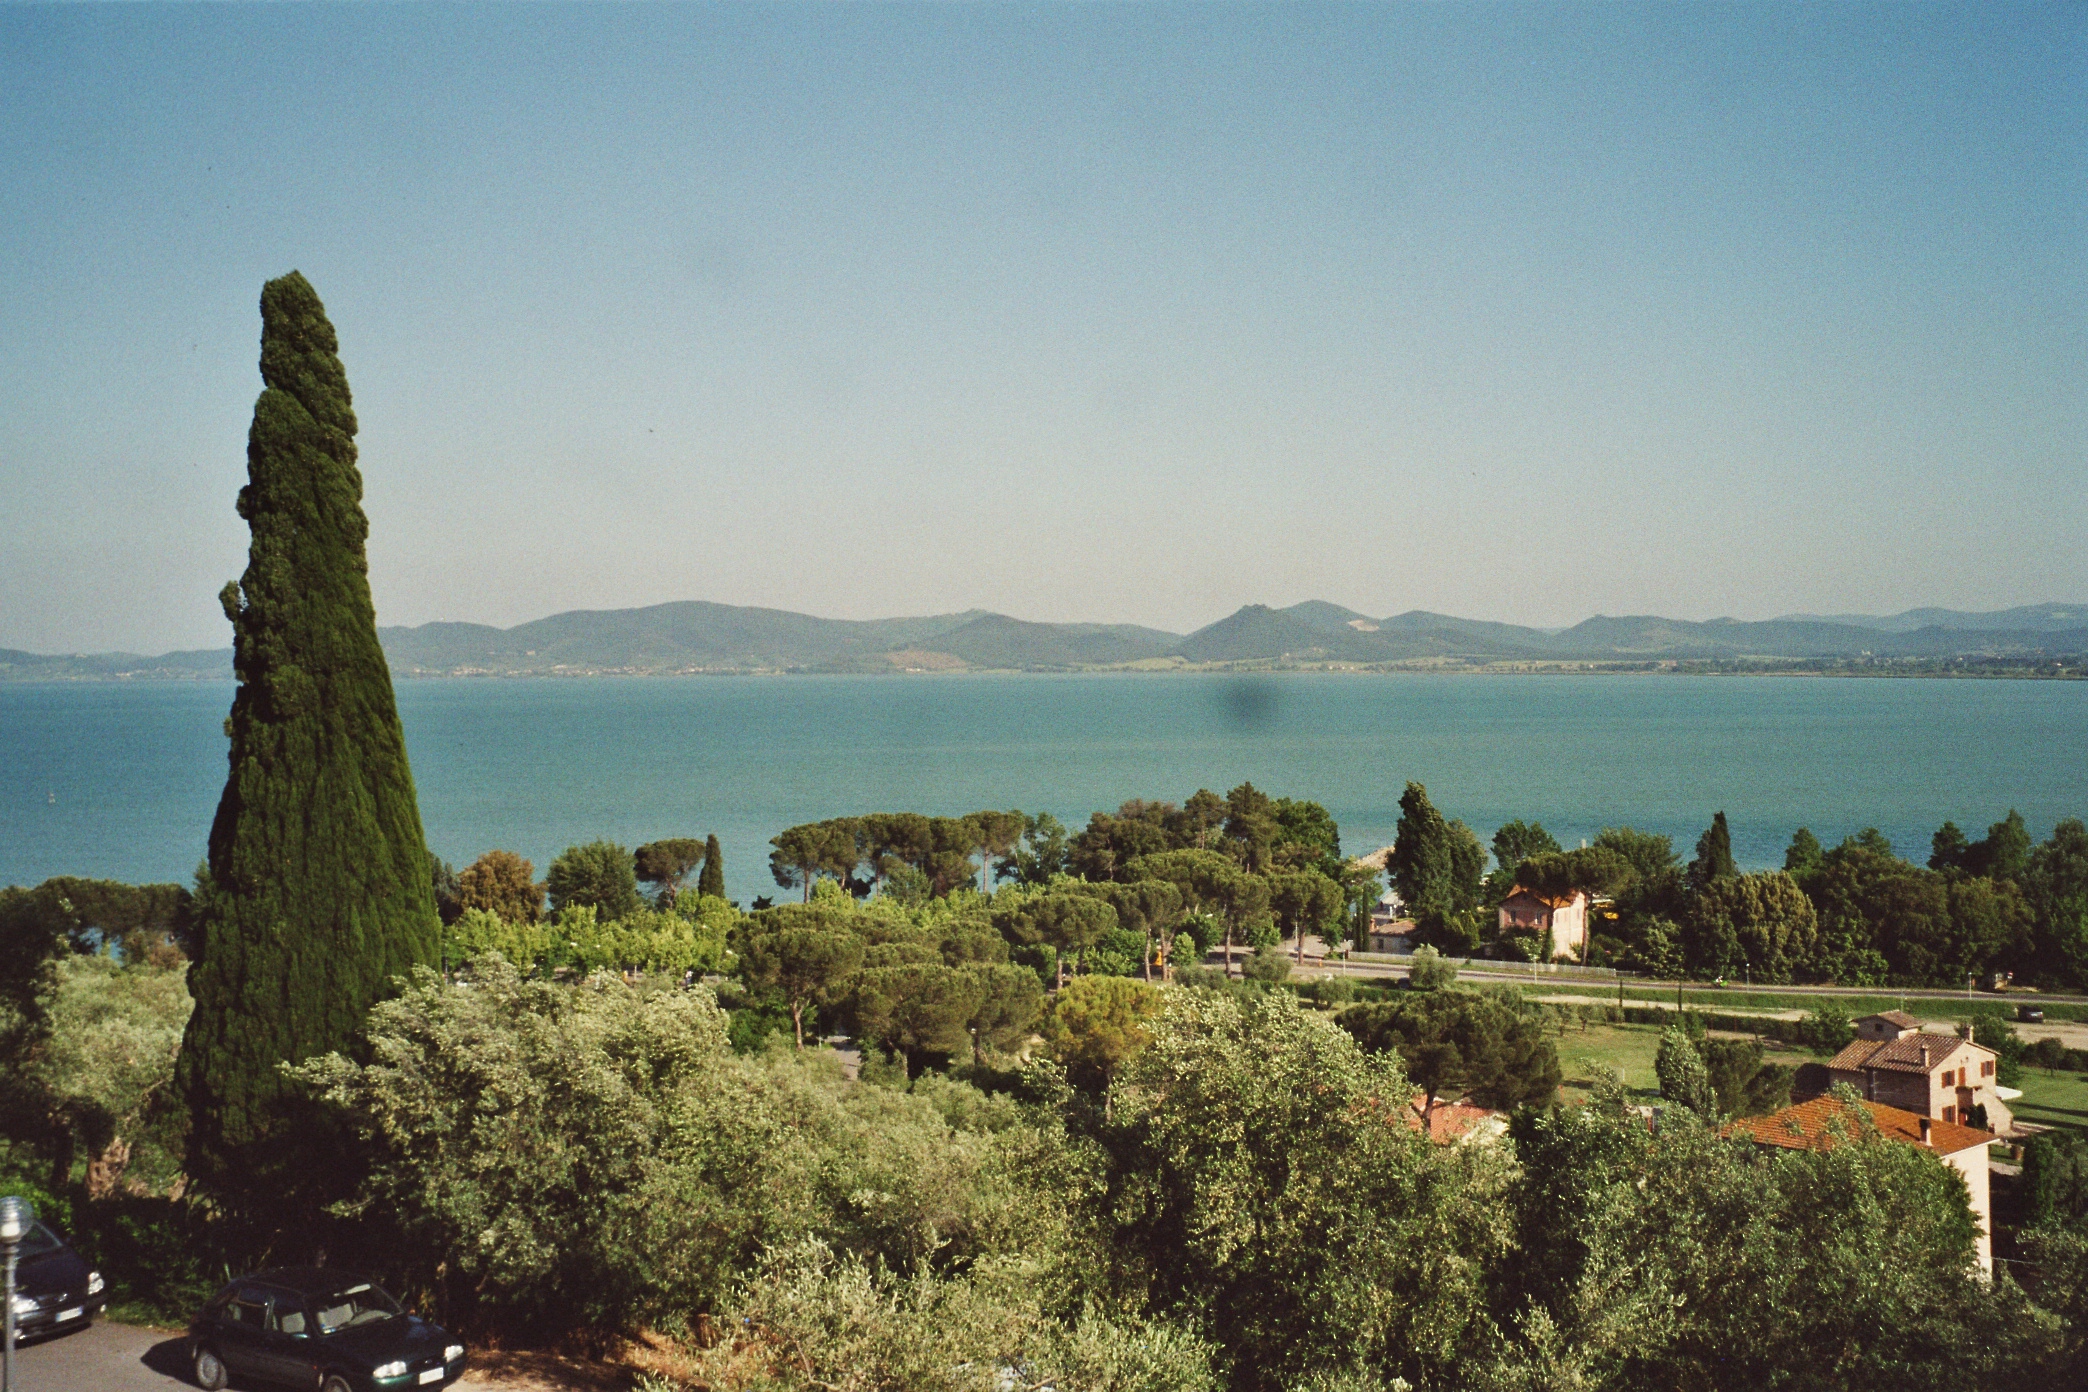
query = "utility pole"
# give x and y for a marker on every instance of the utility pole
(15, 1218)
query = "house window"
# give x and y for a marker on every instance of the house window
(1947, 1078)
(1950, 1114)
(1986, 1070)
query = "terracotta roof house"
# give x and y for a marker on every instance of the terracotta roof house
(1560, 920)
(1453, 1122)
(1889, 1025)
(1390, 929)
(1940, 1076)
(1805, 1126)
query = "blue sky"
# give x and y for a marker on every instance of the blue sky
(1074, 312)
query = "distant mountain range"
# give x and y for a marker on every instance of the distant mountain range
(695, 636)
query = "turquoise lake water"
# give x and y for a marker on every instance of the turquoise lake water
(120, 780)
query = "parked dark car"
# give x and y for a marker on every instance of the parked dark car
(55, 1289)
(2030, 1014)
(317, 1327)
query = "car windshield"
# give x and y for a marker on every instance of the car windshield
(38, 1240)
(364, 1304)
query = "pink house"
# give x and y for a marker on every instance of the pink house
(1561, 921)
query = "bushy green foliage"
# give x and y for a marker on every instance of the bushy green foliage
(600, 875)
(828, 1322)
(1714, 856)
(107, 1072)
(1828, 1029)
(1683, 1078)
(691, 937)
(1436, 864)
(1430, 970)
(1493, 1046)
(503, 884)
(2055, 883)
(1098, 1022)
(318, 894)
(32, 943)
(1595, 869)
(1271, 1194)
(549, 1156)
(2055, 1180)
(664, 864)
(1675, 1259)
(139, 923)
(1761, 923)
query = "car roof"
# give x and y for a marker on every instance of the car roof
(307, 1280)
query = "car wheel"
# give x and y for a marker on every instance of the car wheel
(336, 1383)
(210, 1372)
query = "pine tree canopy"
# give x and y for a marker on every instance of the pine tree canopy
(317, 895)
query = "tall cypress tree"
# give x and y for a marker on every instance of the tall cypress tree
(317, 891)
(1714, 857)
(1421, 863)
(712, 880)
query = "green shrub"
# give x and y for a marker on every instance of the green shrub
(1827, 1030)
(1992, 1030)
(545, 1157)
(1430, 970)
(1270, 963)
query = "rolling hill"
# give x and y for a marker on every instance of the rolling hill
(698, 636)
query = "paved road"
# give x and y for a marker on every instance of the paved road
(118, 1358)
(114, 1357)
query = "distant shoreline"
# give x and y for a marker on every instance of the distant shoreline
(1901, 669)
(702, 638)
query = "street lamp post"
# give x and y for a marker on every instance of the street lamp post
(15, 1218)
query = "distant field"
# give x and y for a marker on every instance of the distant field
(2053, 1099)
(1736, 1002)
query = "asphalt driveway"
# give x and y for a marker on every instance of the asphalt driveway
(112, 1356)
(119, 1358)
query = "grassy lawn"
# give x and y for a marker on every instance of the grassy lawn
(2053, 1099)
(1626, 1050)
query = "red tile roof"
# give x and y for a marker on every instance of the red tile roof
(1901, 1055)
(1451, 1121)
(1550, 901)
(1804, 1127)
(1896, 1017)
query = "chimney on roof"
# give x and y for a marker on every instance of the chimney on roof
(1925, 1123)
(1924, 1056)
(1965, 1030)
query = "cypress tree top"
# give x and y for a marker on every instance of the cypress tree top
(318, 891)
(712, 880)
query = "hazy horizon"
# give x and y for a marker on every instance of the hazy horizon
(1850, 618)
(1118, 315)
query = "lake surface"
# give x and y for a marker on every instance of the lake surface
(120, 780)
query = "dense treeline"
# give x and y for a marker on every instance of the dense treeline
(1242, 1202)
(1855, 914)
(1066, 1147)
(1117, 1184)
